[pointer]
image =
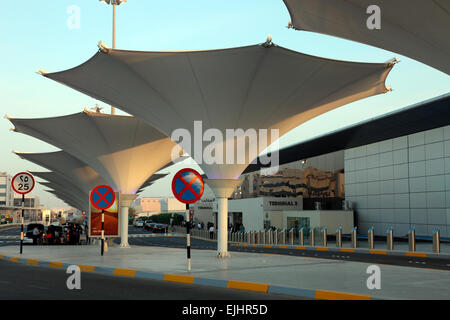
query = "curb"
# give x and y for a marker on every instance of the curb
(186, 279)
(346, 250)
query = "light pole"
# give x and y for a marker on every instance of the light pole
(114, 4)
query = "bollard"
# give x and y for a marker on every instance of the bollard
(412, 240)
(311, 237)
(436, 240)
(283, 237)
(263, 237)
(301, 236)
(324, 236)
(269, 237)
(291, 236)
(339, 237)
(230, 236)
(390, 238)
(370, 238)
(275, 237)
(354, 237)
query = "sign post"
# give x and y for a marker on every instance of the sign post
(22, 183)
(102, 197)
(187, 187)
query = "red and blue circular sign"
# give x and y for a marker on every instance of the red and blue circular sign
(187, 186)
(102, 197)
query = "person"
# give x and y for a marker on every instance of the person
(242, 228)
(36, 234)
(211, 232)
(199, 226)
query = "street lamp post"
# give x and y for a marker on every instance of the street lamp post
(114, 4)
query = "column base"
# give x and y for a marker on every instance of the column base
(223, 255)
(124, 245)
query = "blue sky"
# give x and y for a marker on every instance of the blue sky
(34, 34)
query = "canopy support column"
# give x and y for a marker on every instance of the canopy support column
(125, 202)
(223, 189)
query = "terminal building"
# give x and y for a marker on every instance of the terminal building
(390, 171)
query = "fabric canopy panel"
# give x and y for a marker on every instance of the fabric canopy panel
(415, 28)
(70, 168)
(123, 150)
(260, 87)
(59, 183)
(69, 200)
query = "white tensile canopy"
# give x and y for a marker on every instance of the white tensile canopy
(123, 150)
(71, 168)
(254, 87)
(68, 199)
(415, 28)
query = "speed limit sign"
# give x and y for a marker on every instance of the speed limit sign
(23, 182)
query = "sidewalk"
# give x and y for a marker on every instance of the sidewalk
(278, 270)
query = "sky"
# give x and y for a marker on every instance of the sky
(40, 35)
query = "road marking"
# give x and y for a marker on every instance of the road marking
(55, 264)
(416, 254)
(178, 278)
(377, 251)
(124, 272)
(331, 295)
(250, 286)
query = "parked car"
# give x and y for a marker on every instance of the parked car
(149, 225)
(29, 233)
(159, 228)
(139, 223)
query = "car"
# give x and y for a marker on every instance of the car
(29, 233)
(149, 225)
(159, 228)
(139, 223)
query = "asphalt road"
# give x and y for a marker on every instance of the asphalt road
(19, 281)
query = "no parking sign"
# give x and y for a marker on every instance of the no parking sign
(188, 186)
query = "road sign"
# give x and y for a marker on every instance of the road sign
(187, 186)
(102, 197)
(23, 183)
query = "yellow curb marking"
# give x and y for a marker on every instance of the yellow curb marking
(282, 247)
(377, 251)
(347, 250)
(321, 249)
(178, 278)
(86, 268)
(13, 259)
(55, 264)
(416, 254)
(300, 248)
(32, 261)
(250, 286)
(331, 295)
(268, 246)
(124, 272)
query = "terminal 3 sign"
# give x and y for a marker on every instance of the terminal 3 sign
(282, 204)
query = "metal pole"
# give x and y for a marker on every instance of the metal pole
(370, 238)
(354, 237)
(311, 237)
(339, 237)
(412, 240)
(324, 236)
(291, 236)
(390, 239)
(113, 110)
(103, 232)
(275, 237)
(301, 236)
(188, 238)
(436, 241)
(21, 227)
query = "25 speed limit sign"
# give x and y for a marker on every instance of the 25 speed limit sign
(23, 182)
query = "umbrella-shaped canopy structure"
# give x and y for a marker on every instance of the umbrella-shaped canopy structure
(123, 150)
(420, 33)
(68, 199)
(71, 169)
(255, 87)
